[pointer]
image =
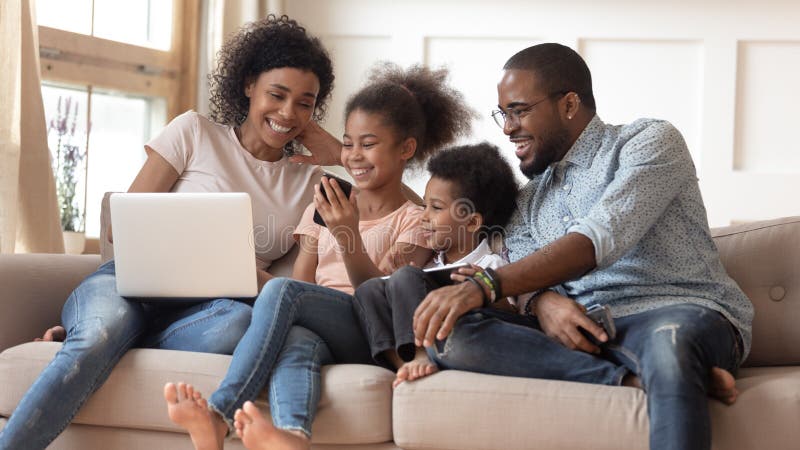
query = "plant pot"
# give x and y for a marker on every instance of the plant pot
(74, 242)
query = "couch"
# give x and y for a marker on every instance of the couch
(449, 410)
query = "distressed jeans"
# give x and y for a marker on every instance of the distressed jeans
(296, 328)
(671, 349)
(101, 326)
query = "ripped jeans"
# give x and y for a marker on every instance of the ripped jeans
(297, 327)
(101, 326)
(671, 349)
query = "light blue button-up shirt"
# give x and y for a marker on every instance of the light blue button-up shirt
(632, 190)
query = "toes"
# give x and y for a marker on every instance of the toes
(252, 411)
(402, 372)
(182, 391)
(170, 393)
(241, 417)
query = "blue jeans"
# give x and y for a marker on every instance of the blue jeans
(101, 326)
(296, 328)
(671, 349)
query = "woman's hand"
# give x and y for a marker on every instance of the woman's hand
(339, 212)
(325, 149)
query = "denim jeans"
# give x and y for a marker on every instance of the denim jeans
(296, 328)
(671, 349)
(386, 311)
(101, 326)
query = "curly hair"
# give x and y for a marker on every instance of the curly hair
(482, 177)
(417, 103)
(258, 47)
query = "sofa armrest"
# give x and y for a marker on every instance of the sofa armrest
(33, 288)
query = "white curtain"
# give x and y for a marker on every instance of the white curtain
(29, 216)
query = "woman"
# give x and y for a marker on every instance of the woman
(272, 79)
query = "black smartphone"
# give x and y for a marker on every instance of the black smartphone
(343, 184)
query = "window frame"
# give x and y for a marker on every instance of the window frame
(83, 60)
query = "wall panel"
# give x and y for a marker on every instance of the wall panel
(768, 90)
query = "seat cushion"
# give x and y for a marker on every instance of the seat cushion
(516, 413)
(355, 407)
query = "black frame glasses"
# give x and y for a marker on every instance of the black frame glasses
(501, 117)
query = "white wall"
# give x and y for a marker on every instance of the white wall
(726, 73)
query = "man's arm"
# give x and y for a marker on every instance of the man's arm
(565, 259)
(654, 166)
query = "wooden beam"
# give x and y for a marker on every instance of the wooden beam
(186, 48)
(108, 78)
(76, 46)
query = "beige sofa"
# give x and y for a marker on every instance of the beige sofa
(450, 410)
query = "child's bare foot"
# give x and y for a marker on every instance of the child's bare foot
(419, 367)
(187, 408)
(723, 386)
(258, 433)
(53, 334)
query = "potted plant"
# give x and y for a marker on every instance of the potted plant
(69, 169)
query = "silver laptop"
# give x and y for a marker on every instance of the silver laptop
(184, 245)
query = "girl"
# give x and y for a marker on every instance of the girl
(272, 78)
(297, 326)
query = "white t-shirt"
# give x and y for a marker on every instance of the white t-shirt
(209, 158)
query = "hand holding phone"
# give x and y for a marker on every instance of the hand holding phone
(601, 315)
(344, 185)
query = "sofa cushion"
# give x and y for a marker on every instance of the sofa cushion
(516, 413)
(355, 407)
(764, 259)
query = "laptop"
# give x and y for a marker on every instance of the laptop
(184, 245)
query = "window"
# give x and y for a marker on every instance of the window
(126, 68)
(112, 132)
(146, 23)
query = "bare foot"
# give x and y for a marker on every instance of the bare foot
(419, 367)
(723, 386)
(187, 408)
(53, 334)
(258, 433)
(631, 380)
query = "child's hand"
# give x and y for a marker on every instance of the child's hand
(339, 212)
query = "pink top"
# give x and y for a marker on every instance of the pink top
(380, 237)
(209, 158)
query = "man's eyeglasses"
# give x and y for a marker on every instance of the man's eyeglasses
(513, 115)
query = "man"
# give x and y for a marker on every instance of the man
(612, 215)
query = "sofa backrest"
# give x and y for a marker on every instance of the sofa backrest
(764, 258)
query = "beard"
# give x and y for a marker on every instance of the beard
(553, 146)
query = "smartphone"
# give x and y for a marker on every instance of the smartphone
(601, 315)
(440, 274)
(344, 185)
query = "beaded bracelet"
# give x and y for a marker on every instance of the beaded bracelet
(488, 282)
(495, 280)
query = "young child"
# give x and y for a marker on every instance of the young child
(399, 118)
(469, 198)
